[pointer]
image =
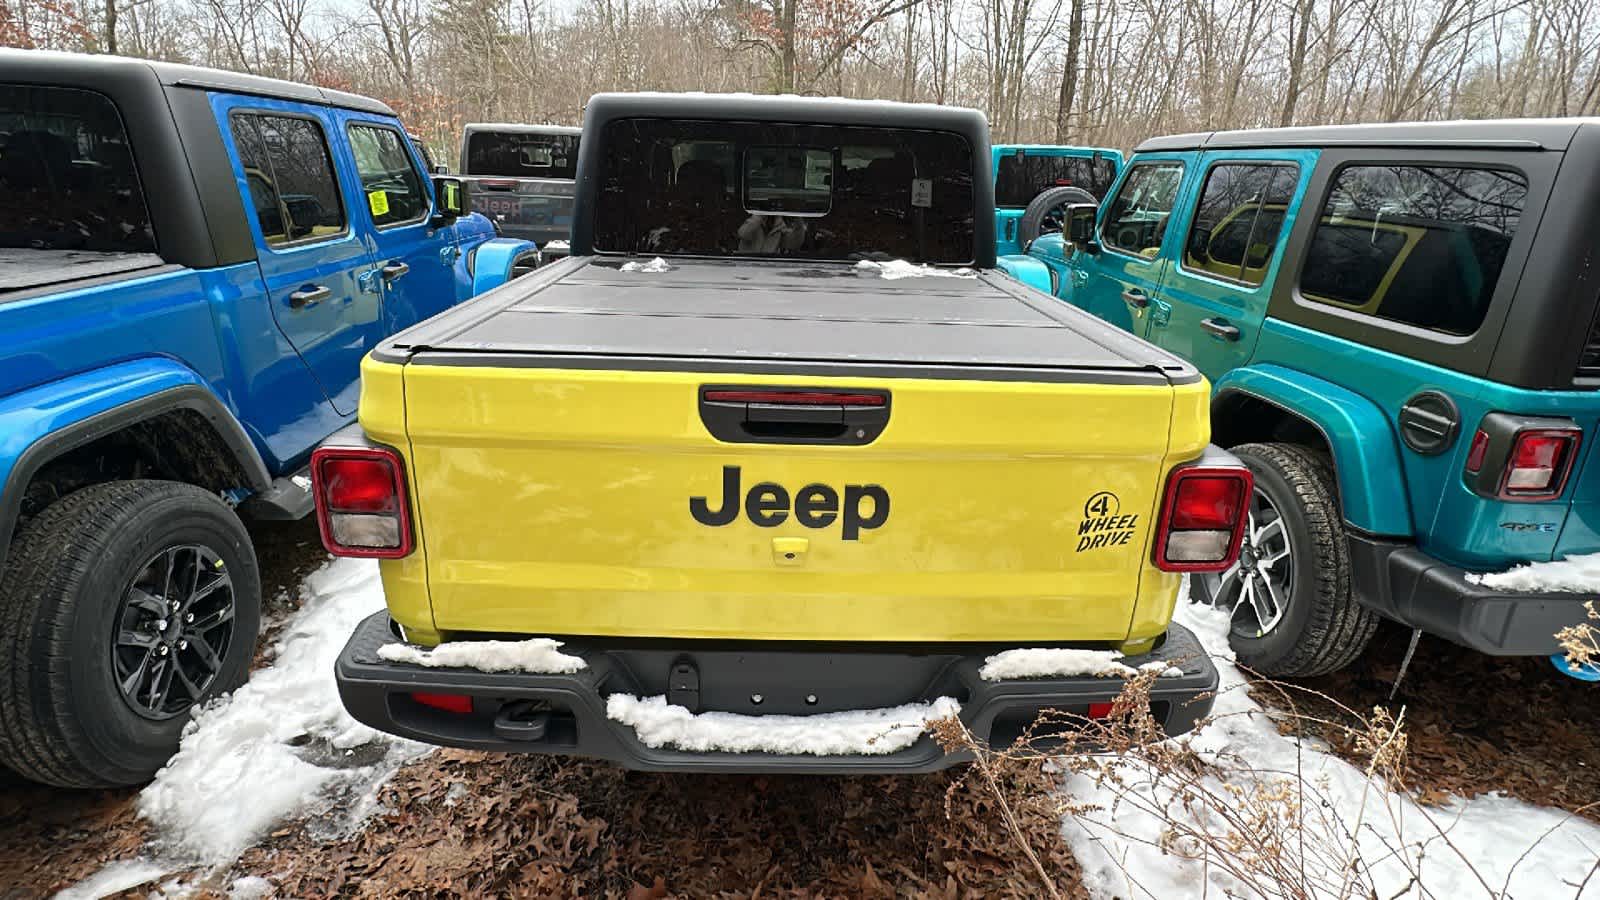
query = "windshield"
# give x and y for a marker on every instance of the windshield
(519, 154)
(67, 174)
(1021, 176)
(761, 189)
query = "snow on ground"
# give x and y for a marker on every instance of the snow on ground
(1575, 574)
(282, 745)
(115, 878)
(866, 731)
(1063, 662)
(1120, 845)
(894, 269)
(653, 267)
(536, 655)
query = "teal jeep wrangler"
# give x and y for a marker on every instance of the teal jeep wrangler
(1399, 322)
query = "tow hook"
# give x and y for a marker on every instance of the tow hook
(522, 720)
(683, 684)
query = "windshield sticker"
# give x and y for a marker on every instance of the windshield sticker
(1103, 523)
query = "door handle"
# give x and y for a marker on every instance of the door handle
(394, 270)
(1135, 298)
(310, 295)
(1220, 329)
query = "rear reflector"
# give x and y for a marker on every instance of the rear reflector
(450, 703)
(1099, 710)
(1480, 446)
(1203, 516)
(361, 501)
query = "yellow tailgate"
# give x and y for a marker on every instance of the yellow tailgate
(558, 501)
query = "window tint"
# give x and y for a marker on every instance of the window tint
(290, 176)
(1422, 245)
(389, 180)
(787, 190)
(1022, 176)
(67, 174)
(1137, 219)
(521, 154)
(1238, 220)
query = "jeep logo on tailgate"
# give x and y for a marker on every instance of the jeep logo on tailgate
(815, 505)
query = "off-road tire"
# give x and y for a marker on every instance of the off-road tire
(63, 719)
(1324, 627)
(1040, 206)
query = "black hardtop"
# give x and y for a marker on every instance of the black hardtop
(95, 72)
(777, 316)
(603, 109)
(519, 128)
(1501, 134)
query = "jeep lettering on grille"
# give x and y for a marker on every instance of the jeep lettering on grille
(814, 506)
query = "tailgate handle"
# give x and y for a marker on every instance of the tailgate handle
(765, 415)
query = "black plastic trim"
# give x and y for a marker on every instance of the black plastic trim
(776, 423)
(792, 679)
(1407, 585)
(54, 444)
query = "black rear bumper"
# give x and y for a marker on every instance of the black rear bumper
(1415, 589)
(566, 714)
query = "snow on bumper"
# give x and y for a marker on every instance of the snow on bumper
(740, 684)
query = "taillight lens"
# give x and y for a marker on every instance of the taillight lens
(361, 501)
(1480, 446)
(1203, 517)
(1539, 463)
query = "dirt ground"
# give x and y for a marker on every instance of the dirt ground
(458, 823)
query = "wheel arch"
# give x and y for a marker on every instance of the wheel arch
(1027, 270)
(153, 416)
(1277, 404)
(494, 261)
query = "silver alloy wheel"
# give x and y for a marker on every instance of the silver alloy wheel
(1256, 589)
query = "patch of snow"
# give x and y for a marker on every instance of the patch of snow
(895, 269)
(455, 794)
(282, 745)
(115, 878)
(538, 656)
(1575, 574)
(652, 267)
(250, 887)
(1123, 848)
(1060, 662)
(870, 732)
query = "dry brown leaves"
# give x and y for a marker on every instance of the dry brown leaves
(51, 839)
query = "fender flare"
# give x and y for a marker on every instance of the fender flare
(39, 424)
(1372, 486)
(493, 261)
(1027, 270)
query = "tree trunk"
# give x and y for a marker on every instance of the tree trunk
(1069, 72)
(786, 27)
(1297, 64)
(111, 27)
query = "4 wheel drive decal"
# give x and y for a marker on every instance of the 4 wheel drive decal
(1103, 524)
(815, 505)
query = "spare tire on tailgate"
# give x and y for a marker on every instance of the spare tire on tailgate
(1043, 215)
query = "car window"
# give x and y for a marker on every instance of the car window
(67, 174)
(1137, 219)
(389, 179)
(1021, 176)
(774, 189)
(290, 176)
(1423, 245)
(522, 154)
(1238, 220)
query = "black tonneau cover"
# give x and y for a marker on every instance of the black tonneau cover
(815, 318)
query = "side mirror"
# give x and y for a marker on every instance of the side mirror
(450, 198)
(1080, 225)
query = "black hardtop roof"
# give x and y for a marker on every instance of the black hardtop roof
(93, 71)
(520, 128)
(1505, 134)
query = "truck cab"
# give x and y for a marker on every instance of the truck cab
(522, 179)
(192, 265)
(1400, 330)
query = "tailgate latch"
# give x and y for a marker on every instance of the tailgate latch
(683, 684)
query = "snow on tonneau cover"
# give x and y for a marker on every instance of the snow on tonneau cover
(646, 442)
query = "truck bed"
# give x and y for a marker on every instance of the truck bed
(803, 318)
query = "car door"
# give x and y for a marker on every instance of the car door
(1213, 299)
(320, 279)
(1118, 276)
(395, 217)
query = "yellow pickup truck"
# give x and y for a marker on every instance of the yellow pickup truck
(775, 460)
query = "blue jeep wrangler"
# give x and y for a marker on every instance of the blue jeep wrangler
(1399, 322)
(192, 264)
(1060, 175)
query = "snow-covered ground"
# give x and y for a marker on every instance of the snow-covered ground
(1467, 849)
(869, 732)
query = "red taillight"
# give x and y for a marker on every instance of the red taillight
(1539, 463)
(361, 501)
(1202, 518)
(450, 703)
